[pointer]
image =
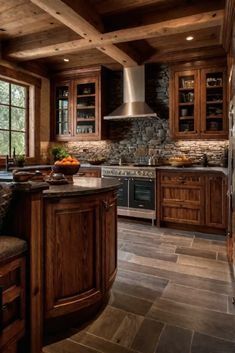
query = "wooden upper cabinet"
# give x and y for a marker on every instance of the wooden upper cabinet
(62, 109)
(78, 105)
(186, 112)
(214, 122)
(198, 103)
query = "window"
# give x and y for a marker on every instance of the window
(14, 112)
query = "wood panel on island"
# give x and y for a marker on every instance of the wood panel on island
(78, 105)
(192, 200)
(198, 101)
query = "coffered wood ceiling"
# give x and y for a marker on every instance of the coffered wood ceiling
(114, 33)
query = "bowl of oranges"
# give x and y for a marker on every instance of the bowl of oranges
(67, 166)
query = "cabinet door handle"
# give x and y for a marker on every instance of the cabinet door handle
(108, 205)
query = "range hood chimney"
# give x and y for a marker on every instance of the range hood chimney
(134, 105)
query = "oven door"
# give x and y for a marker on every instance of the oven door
(123, 190)
(122, 194)
(142, 193)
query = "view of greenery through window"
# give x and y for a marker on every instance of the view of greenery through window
(13, 118)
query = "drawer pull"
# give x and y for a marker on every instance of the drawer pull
(107, 205)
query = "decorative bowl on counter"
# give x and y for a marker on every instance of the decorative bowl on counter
(66, 169)
(96, 161)
(66, 166)
(180, 161)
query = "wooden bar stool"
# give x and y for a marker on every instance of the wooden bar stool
(12, 292)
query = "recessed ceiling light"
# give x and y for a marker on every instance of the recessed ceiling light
(66, 60)
(189, 38)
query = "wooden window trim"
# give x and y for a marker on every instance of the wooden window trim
(34, 97)
(26, 108)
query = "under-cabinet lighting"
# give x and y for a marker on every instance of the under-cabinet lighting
(66, 60)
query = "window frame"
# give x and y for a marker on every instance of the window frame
(33, 82)
(10, 130)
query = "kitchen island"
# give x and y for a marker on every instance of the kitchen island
(72, 239)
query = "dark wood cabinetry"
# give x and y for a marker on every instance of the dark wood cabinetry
(192, 199)
(12, 301)
(198, 101)
(182, 198)
(110, 238)
(80, 252)
(78, 105)
(216, 201)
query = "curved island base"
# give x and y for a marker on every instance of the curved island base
(72, 235)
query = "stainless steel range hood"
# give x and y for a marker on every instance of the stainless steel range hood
(134, 105)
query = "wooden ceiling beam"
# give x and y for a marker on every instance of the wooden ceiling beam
(165, 28)
(229, 18)
(21, 50)
(114, 6)
(189, 54)
(75, 16)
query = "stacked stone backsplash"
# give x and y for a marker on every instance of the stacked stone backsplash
(131, 139)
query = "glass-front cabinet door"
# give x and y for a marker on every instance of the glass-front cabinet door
(86, 108)
(186, 115)
(213, 102)
(62, 109)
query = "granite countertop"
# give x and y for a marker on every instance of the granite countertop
(82, 186)
(195, 169)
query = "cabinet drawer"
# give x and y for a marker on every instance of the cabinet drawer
(180, 178)
(176, 214)
(182, 194)
(12, 300)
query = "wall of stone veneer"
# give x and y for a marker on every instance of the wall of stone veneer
(130, 138)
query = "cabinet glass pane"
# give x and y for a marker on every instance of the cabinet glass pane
(62, 106)
(86, 108)
(186, 103)
(85, 127)
(214, 101)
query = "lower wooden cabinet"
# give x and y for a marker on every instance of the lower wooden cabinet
(216, 201)
(80, 252)
(197, 199)
(12, 302)
(110, 239)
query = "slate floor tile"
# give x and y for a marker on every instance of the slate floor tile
(174, 340)
(147, 337)
(207, 344)
(67, 346)
(129, 303)
(99, 344)
(107, 323)
(148, 251)
(195, 296)
(195, 281)
(196, 252)
(205, 321)
(126, 332)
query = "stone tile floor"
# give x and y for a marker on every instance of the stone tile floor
(173, 294)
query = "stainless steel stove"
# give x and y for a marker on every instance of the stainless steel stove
(130, 171)
(136, 195)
